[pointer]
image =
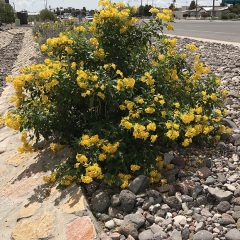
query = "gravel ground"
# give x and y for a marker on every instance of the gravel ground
(202, 199)
(10, 45)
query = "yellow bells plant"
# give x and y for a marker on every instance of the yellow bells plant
(115, 91)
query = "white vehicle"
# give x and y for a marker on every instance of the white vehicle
(88, 18)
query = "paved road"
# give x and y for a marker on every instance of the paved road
(217, 30)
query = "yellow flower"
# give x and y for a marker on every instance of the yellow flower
(111, 148)
(191, 47)
(151, 126)
(150, 110)
(86, 179)
(213, 96)
(129, 82)
(79, 29)
(172, 134)
(74, 65)
(101, 95)
(118, 72)
(94, 42)
(81, 158)
(161, 57)
(44, 48)
(155, 176)
(154, 10)
(135, 168)
(187, 117)
(177, 104)
(170, 27)
(126, 124)
(140, 131)
(94, 171)
(55, 147)
(102, 156)
(153, 138)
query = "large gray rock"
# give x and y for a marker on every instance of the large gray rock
(127, 200)
(203, 235)
(139, 184)
(128, 229)
(204, 172)
(100, 201)
(136, 219)
(168, 157)
(176, 235)
(223, 206)
(233, 234)
(173, 202)
(220, 195)
(229, 123)
(226, 219)
(146, 235)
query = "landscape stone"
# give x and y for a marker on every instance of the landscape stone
(136, 219)
(176, 235)
(34, 229)
(233, 234)
(203, 235)
(29, 210)
(139, 184)
(80, 228)
(204, 172)
(146, 235)
(223, 206)
(128, 229)
(100, 201)
(127, 200)
(110, 224)
(219, 194)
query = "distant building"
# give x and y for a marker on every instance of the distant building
(201, 12)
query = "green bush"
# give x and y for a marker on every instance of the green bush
(226, 16)
(117, 92)
(46, 15)
(6, 13)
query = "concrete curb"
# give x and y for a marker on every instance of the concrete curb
(206, 40)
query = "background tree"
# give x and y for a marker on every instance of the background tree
(46, 15)
(6, 13)
(192, 5)
(171, 6)
(84, 12)
(146, 10)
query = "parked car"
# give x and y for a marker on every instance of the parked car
(88, 18)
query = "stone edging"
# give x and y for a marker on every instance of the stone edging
(29, 209)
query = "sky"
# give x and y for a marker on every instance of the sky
(36, 5)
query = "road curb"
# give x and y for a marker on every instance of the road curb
(236, 44)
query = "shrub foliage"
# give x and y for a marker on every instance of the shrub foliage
(46, 15)
(6, 13)
(117, 91)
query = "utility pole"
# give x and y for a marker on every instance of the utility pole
(14, 6)
(213, 9)
(196, 10)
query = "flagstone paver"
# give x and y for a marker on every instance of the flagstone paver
(29, 209)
